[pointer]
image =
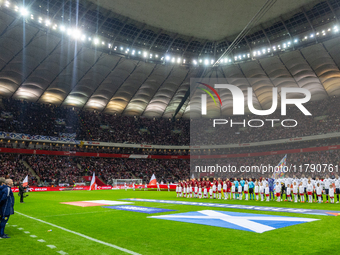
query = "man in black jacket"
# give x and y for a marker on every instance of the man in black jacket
(6, 205)
(21, 193)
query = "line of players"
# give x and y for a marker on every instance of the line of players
(262, 188)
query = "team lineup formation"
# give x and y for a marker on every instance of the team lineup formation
(263, 189)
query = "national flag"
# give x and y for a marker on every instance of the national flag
(279, 172)
(93, 185)
(25, 182)
(153, 180)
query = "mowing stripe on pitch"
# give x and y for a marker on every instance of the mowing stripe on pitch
(82, 235)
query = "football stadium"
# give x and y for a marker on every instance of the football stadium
(169, 127)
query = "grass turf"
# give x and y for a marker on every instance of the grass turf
(135, 232)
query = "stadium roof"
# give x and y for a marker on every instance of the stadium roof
(212, 20)
(41, 62)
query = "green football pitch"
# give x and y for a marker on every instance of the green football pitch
(54, 228)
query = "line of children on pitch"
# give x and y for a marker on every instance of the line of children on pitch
(260, 190)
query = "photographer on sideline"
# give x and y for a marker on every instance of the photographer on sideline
(6, 205)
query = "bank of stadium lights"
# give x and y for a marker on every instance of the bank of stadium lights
(77, 35)
(23, 12)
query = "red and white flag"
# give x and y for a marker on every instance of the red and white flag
(25, 182)
(153, 180)
(93, 185)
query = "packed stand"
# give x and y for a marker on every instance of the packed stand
(49, 120)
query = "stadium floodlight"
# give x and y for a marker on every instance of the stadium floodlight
(184, 61)
(103, 43)
(296, 40)
(206, 61)
(133, 52)
(173, 60)
(7, 4)
(139, 52)
(312, 35)
(145, 54)
(156, 56)
(121, 48)
(329, 29)
(23, 12)
(194, 62)
(76, 34)
(32, 16)
(150, 55)
(167, 58)
(179, 60)
(336, 29)
(200, 61)
(62, 28)
(96, 41)
(47, 22)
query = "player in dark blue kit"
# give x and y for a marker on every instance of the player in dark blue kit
(271, 187)
(6, 205)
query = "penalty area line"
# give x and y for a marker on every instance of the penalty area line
(82, 235)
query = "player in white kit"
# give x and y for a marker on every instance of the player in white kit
(310, 191)
(337, 187)
(302, 192)
(225, 190)
(246, 190)
(262, 187)
(256, 190)
(233, 190)
(295, 191)
(288, 193)
(239, 189)
(219, 188)
(200, 192)
(196, 190)
(331, 194)
(266, 191)
(319, 192)
(278, 191)
(205, 192)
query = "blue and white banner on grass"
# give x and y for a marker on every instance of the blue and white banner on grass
(258, 223)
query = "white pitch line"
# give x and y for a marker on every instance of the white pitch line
(33, 236)
(82, 235)
(51, 246)
(26, 232)
(41, 240)
(62, 252)
(76, 213)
